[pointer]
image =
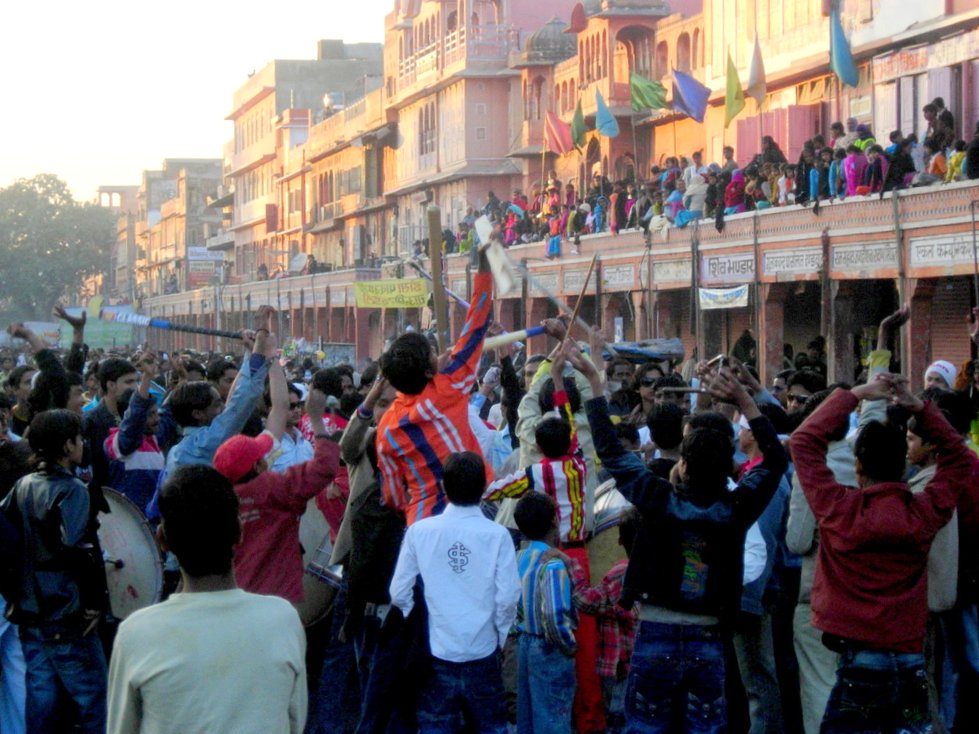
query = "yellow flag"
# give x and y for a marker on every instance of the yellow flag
(734, 96)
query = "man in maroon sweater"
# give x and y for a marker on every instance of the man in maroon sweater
(869, 596)
(268, 560)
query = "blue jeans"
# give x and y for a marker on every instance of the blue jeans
(473, 689)
(545, 687)
(878, 692)
(676, 682)
(333, 708)
(64, 673)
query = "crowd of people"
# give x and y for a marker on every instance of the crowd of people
(683, 189)
(797, 557)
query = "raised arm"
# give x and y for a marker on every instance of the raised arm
(78, 352)
(464, 358)
(130, 435)
(279, 398)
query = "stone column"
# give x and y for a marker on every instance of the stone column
(771, 327)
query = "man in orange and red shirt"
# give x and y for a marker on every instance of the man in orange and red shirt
(429, 419)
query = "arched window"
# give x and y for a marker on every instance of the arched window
(696, 49)
(602, 55)
(683, 52)
(662, 59)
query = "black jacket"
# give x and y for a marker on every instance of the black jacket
(686, 557)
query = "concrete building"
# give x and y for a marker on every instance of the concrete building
(340, 74)
(120, 282)
(465, 87)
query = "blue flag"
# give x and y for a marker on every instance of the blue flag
(840, 58)
(605, 122)
(689, 96)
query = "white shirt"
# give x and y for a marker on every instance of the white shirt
(469, 569)
(293, 449)
(206, 662)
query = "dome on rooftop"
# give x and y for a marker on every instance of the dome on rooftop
(550, 44)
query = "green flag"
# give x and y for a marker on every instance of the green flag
(578, 127)
(646, 94)
(734, 96)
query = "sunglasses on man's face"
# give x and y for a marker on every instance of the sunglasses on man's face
(647, 381)
(296, 406)
(801, 399)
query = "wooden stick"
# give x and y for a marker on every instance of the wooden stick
(577, 305)
(439, 302)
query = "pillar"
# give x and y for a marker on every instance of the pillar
(840, 361)
(918, 328)
(771, 325)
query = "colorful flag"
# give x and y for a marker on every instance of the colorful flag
(840, 58)
(689, 96)
(557, 134)
(646, 94)
(605, 121)
(578, 127)
(733, 95)
(757, 86)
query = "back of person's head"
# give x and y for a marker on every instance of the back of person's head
(464, 478)
(50, 431)
(199, 509)
(111, 369)
(665, 422)
(546, 399)
(811, 381)
(778, 417)
(329, 381)
(628, 433)
(894, 136)
(349, 402)
(814, 401)
(708, 455)
(954, 405)
(407, 364)
(15, 462)
(713, 420)
(553, 436)
(369, 375)
(218, 366)
(881, 450)
(188, 397)
(535, 514)
(960, 146)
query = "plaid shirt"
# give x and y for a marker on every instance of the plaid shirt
(616, 626)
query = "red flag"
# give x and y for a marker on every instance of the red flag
(557, 134)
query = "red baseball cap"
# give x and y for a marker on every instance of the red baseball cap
(236, 456)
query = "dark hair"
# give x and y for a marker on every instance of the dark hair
(17, 374)
(369, 374)
(188, 397)
(670, 380)
(713, 420)
(15, 462)
(814, 401)
(113, 368)
(553, 436)
(708, 454)
(813, 382)
(464, 478)
(50, 430)
(881, 450)
(534, 515)
(778, 417)
(618, 362)
(218, 366)
(954, 405)
(199, 508)
(406, 363)
(267, 395)
(627, 432)
(665, 422)
(930, 107)
(546, 398)
(349, 402)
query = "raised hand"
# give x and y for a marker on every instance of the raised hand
(891, 324)
(76, 322)
(903, 395)
(880, 388)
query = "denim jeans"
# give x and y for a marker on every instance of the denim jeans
(61, 669)
(333, 707)
(755, 650)
(473, 689)
(545, 687)
(677, 680)
(878, 691)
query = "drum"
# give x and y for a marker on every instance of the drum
(320, 580)
(133, 563)
(604, 550)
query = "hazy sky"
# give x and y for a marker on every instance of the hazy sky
(97, 92)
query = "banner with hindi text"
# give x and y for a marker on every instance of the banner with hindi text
(393, 293)
(711, 298)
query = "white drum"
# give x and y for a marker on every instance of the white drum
(320, 580)
(603, 547)
(133, 562)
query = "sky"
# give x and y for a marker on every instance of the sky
(97, 92)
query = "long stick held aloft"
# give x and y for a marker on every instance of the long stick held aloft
(577, 305)
(166, 324)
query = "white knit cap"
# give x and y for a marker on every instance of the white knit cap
(945, 370)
